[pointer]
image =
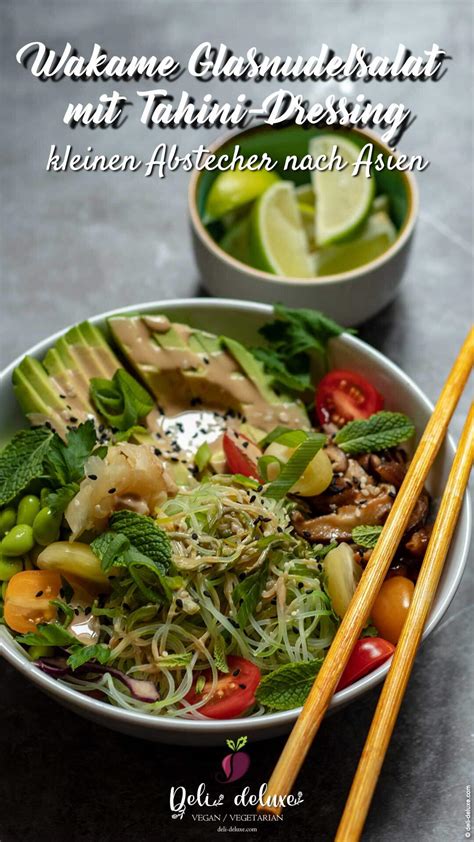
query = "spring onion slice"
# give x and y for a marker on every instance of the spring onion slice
(296, 466)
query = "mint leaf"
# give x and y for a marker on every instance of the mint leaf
(122, 401)
(247, 594)
(145, 536)
(296, 466)
(111, 549)
(48, 634)
(21, 461)
(366, 536)
(82, 654)
(65, 462)
(379, 432)
(288, 686)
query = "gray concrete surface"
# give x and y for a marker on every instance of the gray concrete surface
(76, 244)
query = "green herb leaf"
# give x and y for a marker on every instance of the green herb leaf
(65, 609)
(247, 594)
(379, 432)
(65, 462)
(111, 549)
(145, 536)
(59, 500)
(175, 661)
(288, 686)
(203, 456)
(48, 634)
(82, 654)
(220, 657)
(369, 631)
(21, 461)
(296, 466)
(293, 337)
(366, 536)
(122, 401)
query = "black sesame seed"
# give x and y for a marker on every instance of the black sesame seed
(63, 397)
(236, 673)
(245, 444)
(87, 610)
(92, 476)
(243, 686)
(206, 593)
(252, 499)
(157, 451)
(73, 419)
(112, 490)
(40, 593)
(179, 603)
(76, 612)
(194, 536)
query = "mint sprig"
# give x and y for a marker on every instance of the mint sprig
(379, 432)
(288, 686)
(366, 536)
(21, 461)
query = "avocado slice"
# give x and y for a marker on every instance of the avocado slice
(57, 389)
(181, 367)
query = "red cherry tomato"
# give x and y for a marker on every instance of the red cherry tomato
(343, 396)
(368, 654)
(241, 454)
(235, 691)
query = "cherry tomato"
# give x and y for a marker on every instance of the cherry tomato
(235, 691)
(27, 599)
(368, 654)
(241, 454)
(391, 606)
(343, 396)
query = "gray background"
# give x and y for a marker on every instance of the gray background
(74, 244)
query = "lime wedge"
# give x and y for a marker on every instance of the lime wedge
(236, 241)
(343, 200)
(305, 194)
(381, 203)
(235, 188)
(376, 236)
(277, 238)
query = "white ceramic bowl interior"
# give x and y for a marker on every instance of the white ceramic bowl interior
(241, 320)
(349, 297)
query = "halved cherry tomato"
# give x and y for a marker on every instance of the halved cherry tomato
(368, 654)
(241, 454)
(235, 691)
(391, 606)
(27, 599)
(343, 396)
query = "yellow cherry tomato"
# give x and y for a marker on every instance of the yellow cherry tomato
(391, 607)
(342, 577)
(314, 480)
(27, 599)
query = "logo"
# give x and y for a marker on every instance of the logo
(236, 764)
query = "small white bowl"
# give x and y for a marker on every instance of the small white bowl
(348, 297)
(242, 320)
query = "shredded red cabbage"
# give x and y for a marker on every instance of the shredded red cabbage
(141, 690)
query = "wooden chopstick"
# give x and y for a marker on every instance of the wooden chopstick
(309, 720)
(370, 764)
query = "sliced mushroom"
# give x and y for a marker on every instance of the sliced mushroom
(339, 525)
(338, 459)
(420, 512)
(418, 542)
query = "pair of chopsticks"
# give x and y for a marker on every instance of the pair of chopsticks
(308, 722)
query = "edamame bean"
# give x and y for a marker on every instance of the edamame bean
(28, 508)
(8, 568)
(18, 541)
(7, 520)
(46, 526)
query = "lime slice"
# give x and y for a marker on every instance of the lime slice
(307, 217)
(343, 200)
(277, 238)
(236, 241)
(235, 188)
(305, 194)
(381, 203)
(376, 236)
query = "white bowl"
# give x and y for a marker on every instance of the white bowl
(349, 297)
(241, 320)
